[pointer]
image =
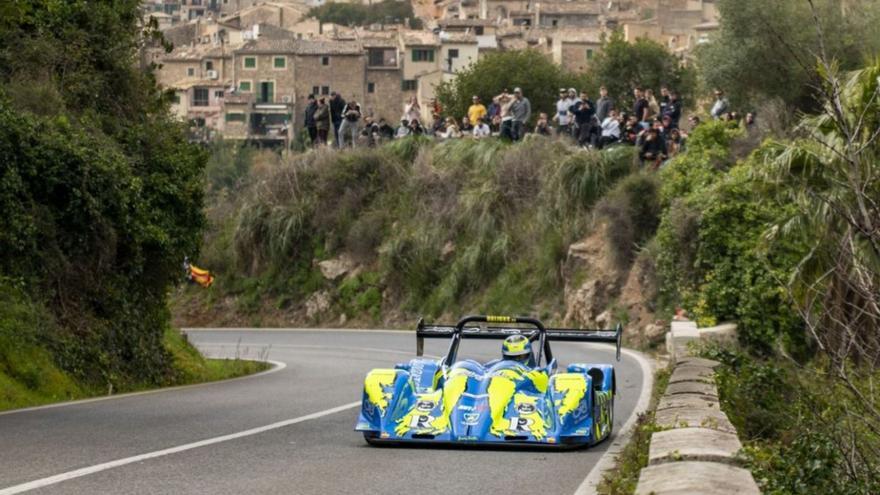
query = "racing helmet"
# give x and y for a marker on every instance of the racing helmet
(517, 348)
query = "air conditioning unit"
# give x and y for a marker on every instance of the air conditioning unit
(212, 74)
(285, 99)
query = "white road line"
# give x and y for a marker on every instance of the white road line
(307, 330)
(620, 439)
(97, 468)
(310, 346)
(276, 366)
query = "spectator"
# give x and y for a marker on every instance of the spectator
(673, 109)
(521, 109)
(370, 131)
(412, 110)
(439, 124)
(476, 111)
(415, 127)
(351, 116)
(666, 123)
(337, 105)
(310, 123)
(719, 109)
(504, 101)
(386, 132)
(640, 107)
(562, 117)
(403, 130)
(652, 151)
(322, 120)
(542, 127)
(610, 130)
(496, 125)
(573, 97)
(604, 104)
(466, 126)
(492, 110)
(631, 130)
(482, 130)
(750, 121)
(653, 105)
(676, 143)
(584, 113)
(694, 121)
(451, 130)
(665, 98)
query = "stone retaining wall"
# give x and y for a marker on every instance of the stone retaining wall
(696, 451)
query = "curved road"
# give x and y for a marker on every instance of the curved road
(288, 431)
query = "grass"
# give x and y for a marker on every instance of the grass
(31, 376)
(623, 478)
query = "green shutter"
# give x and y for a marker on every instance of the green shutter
(280, 62)
(244, 86)
(430, 55)
(250, 62)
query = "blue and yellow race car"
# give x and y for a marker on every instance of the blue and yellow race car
(521, 399)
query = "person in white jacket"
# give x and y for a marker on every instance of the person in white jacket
(610, 130)
(563, 115)
(482, 130)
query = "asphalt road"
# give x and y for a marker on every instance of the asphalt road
(301, 439)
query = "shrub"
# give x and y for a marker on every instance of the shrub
(632, 212)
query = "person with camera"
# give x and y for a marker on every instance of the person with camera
(584, 116)
(351, 116)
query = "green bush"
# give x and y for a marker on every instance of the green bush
(632, 213)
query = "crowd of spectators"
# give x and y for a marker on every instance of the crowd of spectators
(652, 124)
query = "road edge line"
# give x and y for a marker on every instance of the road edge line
(620, 440)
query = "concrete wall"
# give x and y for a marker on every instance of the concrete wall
(388, 96)
(345, 74)
(467, 54)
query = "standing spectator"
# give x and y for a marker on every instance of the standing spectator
(439, 124)
(610, 130)
(640, 107)
(337, 105)
(631, 130)
(521, 109)
(504, 102)
(482, 130)
(563, 116)
(310, 123)
(673, 109)
(476, 111)
(404, 130)
(665, 98)
(322, 120)
(573, 97)
(653, 105)
(412, 110)
(542, 127)
(604, 104)
(466, 126)
(351, 115)
(721, 105)
(584, 113)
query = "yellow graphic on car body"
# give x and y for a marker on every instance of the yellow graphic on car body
(419, 420)
(376, 385)
(573, 387)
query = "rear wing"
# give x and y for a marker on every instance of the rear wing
(494, 332)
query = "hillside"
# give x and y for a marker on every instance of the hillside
(379, 237)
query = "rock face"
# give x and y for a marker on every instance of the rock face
(335, 268)
(317, 303)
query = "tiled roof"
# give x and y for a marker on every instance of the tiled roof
(447, 37)
(302, 47)
(571, 8)
(465, 22)
(577, 35)
(424, 38)
(193, 81)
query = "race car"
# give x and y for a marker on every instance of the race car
(517, 400)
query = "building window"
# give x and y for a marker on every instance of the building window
(190, 71)
(453, 53)
(250, 62)
(219, 94)
(478, 30)
(244, 86)
(589, 54)
(266, 92)
(409, 85)
(200, 97)
(175, 99)
(234, 117)
(371, 87)
(325, 60)
(423, 55)
(325, 90)
(279, 62)
(382, 57)
(555, 22)
(209, 65)
(316, 90)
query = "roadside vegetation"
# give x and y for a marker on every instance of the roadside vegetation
(356, 14)
(101, 198)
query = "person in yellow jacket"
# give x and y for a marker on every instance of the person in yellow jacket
(476, 111)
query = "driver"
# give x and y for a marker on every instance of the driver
(517, 348)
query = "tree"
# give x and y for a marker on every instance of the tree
(621, 66)
(357, 14)
(539, 78)
(767, 49)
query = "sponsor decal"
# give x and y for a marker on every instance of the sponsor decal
(465, 408)
(384, 435)
(471, 418)
(468, 439)
(421, 422)
(519, 424)
(525, 408)
(425, 405)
